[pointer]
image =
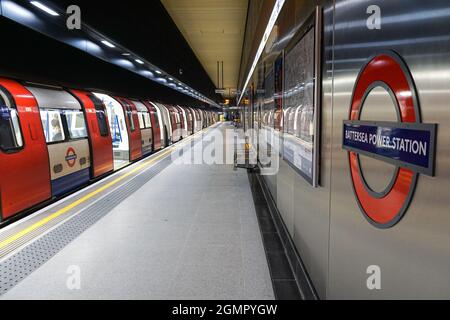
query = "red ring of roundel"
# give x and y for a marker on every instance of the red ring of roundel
(388, 210)
(71, 152)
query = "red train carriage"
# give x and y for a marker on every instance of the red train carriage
(24, 161)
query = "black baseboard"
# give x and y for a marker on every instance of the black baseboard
(289, 276)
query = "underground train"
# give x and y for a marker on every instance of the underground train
(363, 129)
(56, 140)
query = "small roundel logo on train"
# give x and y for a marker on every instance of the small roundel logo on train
(407, 144)
(71, 157)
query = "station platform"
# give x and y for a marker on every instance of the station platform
(155, 230)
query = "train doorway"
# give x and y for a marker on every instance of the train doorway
(119, 132)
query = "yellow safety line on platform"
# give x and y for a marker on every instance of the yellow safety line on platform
(66, 209)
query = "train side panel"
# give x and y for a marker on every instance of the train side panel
(70, 165)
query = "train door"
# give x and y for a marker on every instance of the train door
(198, 120)
(163, 121)
(190, 121)
(184, 124)
(134, 132)
(167, 124)
(66, 135)
(99, 133)
(194, 121)
(202, 119)
(156, 125)
(24, 165)
(176, 124)
(118, 129)
(145, 125)
(208, 120)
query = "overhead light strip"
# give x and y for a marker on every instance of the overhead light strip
(108, 44)
(273, 19)
(44, 8)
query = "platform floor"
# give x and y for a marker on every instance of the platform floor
(190, 232)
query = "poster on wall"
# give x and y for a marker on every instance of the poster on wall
(278, 94)
(300, 105)
(267, 116)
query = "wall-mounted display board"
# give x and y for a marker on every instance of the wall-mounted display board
(268, 109)
(278, 94)
(302, 100)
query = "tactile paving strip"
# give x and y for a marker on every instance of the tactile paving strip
(17, 267)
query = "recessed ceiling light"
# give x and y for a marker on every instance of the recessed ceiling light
(108, 44)
(139, 61)
(44, 8)
(158, 72)
(126, 54)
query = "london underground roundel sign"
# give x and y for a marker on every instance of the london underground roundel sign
(408, 143)
(71, 157)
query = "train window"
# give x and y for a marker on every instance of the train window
(141, 120)
(76, 124)
(102, 120)
(52, 124)
(147, 121)
(10, 135)
(102, 116)
(156, 119)
(130, 118)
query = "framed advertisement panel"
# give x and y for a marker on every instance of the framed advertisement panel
(302, 99)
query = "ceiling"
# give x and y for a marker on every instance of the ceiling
(215, 31)
(142, 27)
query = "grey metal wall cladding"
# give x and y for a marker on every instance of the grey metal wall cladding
(414, 255)
(334, 238)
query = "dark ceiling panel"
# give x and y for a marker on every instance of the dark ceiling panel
(147, 29)
(32, 56)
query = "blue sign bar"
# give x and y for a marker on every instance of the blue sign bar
(410, 145)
